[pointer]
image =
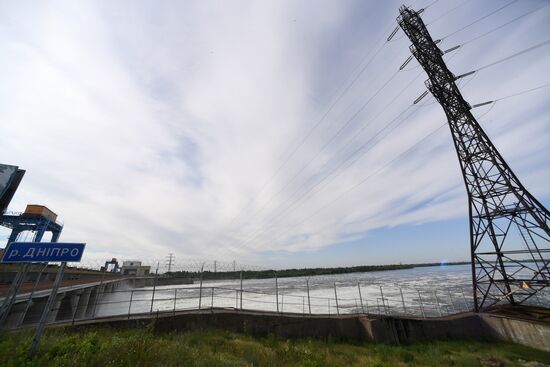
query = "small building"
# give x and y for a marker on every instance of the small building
(134, 268)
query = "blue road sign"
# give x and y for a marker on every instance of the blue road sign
(18, 252)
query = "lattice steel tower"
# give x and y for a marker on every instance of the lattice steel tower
(509, 228)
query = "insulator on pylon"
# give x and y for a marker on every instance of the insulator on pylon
(420, 97)
(451, 49)
(392, 34)
(406, 62)
(482, 104)
(465, 74)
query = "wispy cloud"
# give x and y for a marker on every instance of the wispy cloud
(156, 129)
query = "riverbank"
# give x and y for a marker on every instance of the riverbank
(143, 347)
(289, 273)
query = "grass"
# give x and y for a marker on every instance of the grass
(143, 347)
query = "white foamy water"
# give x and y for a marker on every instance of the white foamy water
(422, 291)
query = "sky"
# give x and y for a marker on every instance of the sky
(270, 133)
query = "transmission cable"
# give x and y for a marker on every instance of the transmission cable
(511, 95)
(519, 53)
(338, 132)
(480, 19)
(352, 188)
(318, 123)
(504, 24)
(357, 153)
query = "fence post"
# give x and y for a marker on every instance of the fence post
(437, 302)
(276, 290)
(241, 290)
(236, 299)
(130, 304)
(421, 304)
(386, 312)
(336, 299)
(282, 303)
(303, 305)
(47, 308)
(154, 287)
(200, 287)
(175, 298)
(308, 299)
(403, 300)
(212, 300)
(360, 296)
(328, 299)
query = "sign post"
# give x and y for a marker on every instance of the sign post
(27, 252)
(47, 308)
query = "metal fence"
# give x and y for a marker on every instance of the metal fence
(118, 298)
(128, 303)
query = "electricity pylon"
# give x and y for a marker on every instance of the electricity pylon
(509, 228)
(170, 261)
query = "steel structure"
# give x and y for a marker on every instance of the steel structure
(509, 228)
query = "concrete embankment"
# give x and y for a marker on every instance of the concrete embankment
(397, 330)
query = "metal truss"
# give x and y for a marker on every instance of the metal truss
(509, 228)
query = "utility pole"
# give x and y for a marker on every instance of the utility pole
(170, 261)
(509, 227)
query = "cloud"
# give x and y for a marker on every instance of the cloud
(156, 129)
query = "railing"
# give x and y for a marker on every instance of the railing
(390, 301)
(373, 300)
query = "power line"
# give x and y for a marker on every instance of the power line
(433, 21)
(480, 19)
(361, 150)
(354, 187)
(503, 25)
(511, 95)
(318, 123)
(333, 137)
(403, 154)
(441, 16)
(323, 117)
(355, 154)
(519, 53)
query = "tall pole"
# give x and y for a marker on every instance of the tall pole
(241, 290)
(336, 299)
(154, 287)
(200, 287)
(308, 299)
(509, 227)
(360, 296)
(170, 262)
(47, 309)
(276, 291)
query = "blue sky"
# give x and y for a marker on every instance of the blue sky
(220, 130)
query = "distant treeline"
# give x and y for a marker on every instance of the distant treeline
(287, 273)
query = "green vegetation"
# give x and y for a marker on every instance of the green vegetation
(287, 273)
(143, 347)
